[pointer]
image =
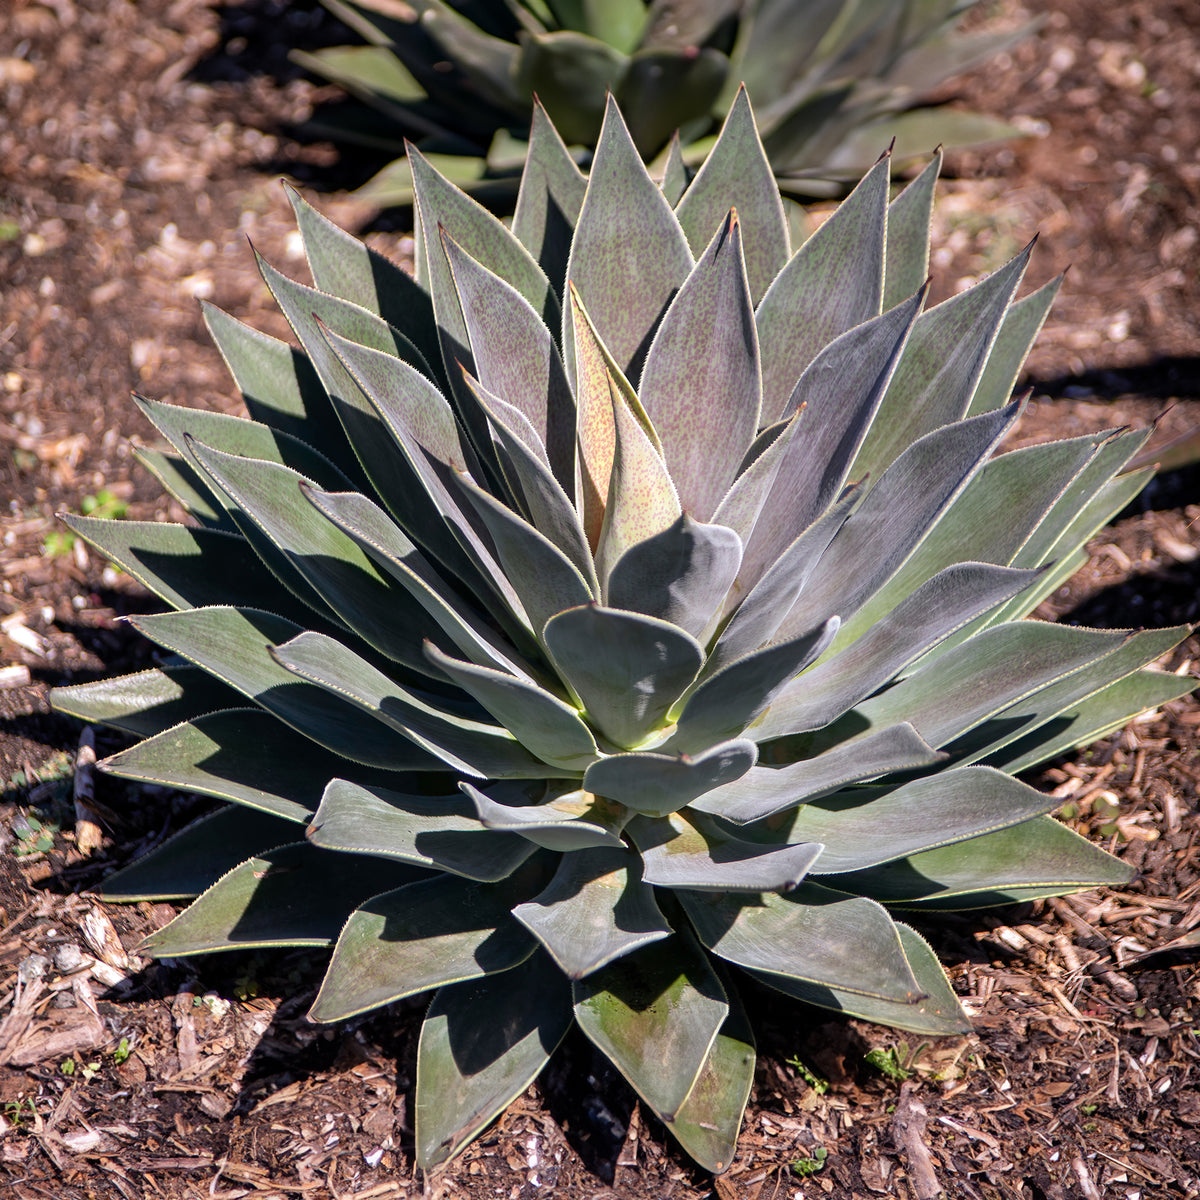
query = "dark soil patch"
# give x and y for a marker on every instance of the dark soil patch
(138, 145)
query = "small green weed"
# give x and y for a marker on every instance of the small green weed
(18, 1112)
(896, 1062)
(121, 1053)
(814, 1081)
(103, 504)
(34, 836)
(810, 1165)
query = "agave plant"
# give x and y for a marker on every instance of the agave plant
(834, 81)
(623, 606)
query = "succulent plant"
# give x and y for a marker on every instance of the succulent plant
(834, 81)
(621, 607)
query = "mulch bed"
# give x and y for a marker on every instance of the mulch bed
(139, 149)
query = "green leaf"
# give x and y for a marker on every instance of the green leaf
(146, 702)
(515, 358)
(293, 896)
(482, 1044)
(234, 645)
(571, 74)
(701, 386)
(935, 610)
(836, 398)
(187, 566)
(221, 754)
(707, 1123)
(626, 670)
(937, 1014)
(864, 827)
(423, 935)
(1038, 858)
(655, 1015)
(658, 784)
(1022, 323)
(626, 231)
(558, 820)
(642, 500)
(908, 224)
(942, 364)
(729, 701)
(765, 790)
(435, 831)
(1099, 714)
(813, 933)
(684, 850)
(542, 723)
(344, 266)
(896, 516)
(185, 484)
(332, 563)
(549, 200)
(675, 174)
(832, 283)
(466, 745)
(192, 860)
(736, 174)
(680, 575)
(595, 909)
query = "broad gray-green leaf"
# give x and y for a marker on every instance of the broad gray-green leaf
(655, 1015)
(221, 754)
(936, 1014)
(642, 500)
(657, 784)
(1099, 714)
(675, 173)
(421, 936)
(295, 895)
(765, 791)
(482, 1044)
(1022, 323)
(626, 230)
(279, 386)
(736, 174)
(146, 702)
(331, 562)
(184, 483)
(935, 610)
(732, 699)
(435, 831)
(390, 548)
(813, 933)
(515, 357)
(344, 266)
(908, 224)
(664, 89)
(862, 827)
(561, 820)
(684, 850)
(187, 566)
(235, 645)
(945, 357)
(680, 575)
(626, 670)
(708, 1122)
(896, 516)
(549, 200)
(542, 723)
(832, 283)
(1038, 858)
(701, 386)
(594, 910)
(840, 392)
(466, 745)
(192, 860)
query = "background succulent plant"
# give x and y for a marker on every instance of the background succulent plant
(834, 81)
(624, 604)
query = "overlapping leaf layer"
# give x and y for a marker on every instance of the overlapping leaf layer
(595, 617)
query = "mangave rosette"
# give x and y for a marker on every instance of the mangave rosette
(624, 604)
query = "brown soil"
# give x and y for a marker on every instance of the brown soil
(139, 145)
